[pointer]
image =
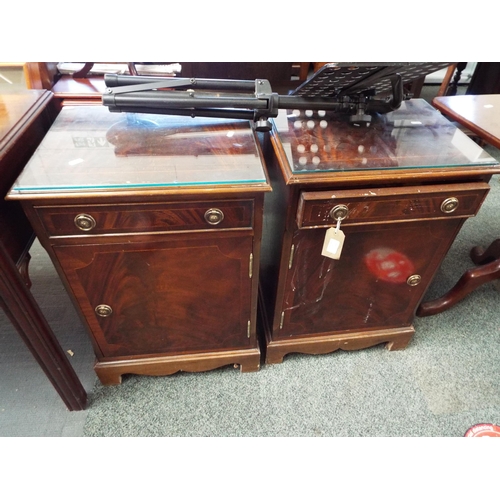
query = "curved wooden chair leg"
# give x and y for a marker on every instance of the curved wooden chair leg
(480, 256)
(470, 280)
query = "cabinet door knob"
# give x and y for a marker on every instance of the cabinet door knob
(414, 280)
(214, 216)
(449, 205)
(103, 310)
(339, 212)
(85, 222)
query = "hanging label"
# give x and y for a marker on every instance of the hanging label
(334, 241)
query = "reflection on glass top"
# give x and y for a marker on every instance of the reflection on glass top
(88, 147)
(414, 136)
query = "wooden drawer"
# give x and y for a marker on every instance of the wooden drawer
(78, 220)
(372, 206)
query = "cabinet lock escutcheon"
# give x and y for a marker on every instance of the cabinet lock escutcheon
(85, 222)
(449, 205)
(214, 216)
(414, 280)
(103, 310)
(339, 212)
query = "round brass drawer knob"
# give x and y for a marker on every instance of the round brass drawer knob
(339, 212)
(414, 280)
(85, 222)
(214, 216)
(103, 310)
(449, 205)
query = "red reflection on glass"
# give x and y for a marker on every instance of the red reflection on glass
(389, 265)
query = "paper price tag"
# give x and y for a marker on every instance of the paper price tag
(334, 241)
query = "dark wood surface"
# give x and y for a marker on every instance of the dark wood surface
(283, 76)
(480, 114)
(25, 117)
(396, 181)
(161, 283)
(485, 79)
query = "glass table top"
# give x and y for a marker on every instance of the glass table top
(89, 148)
(414, 136)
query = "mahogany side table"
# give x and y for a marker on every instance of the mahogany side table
(481, 115)
(25, 118)
(397, 193)
(154, 224)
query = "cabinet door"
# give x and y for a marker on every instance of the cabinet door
(380, 278)
(173, 294)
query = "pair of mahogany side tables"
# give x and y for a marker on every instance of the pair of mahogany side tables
(189, 243)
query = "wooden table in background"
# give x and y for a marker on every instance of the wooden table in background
(481, 115)
(25, 118)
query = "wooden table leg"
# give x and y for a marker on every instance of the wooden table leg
(21, 308)
(481, 256)
(488, 262)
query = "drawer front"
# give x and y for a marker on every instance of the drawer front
(78, 220)
(372, 206)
